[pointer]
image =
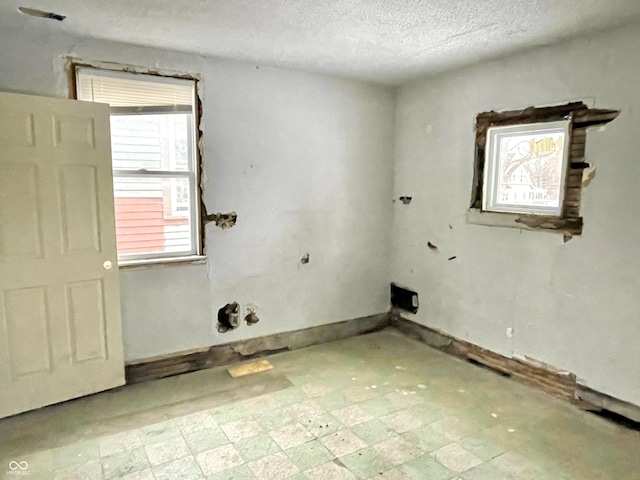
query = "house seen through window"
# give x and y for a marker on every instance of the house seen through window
(526, 168)
(155, 168)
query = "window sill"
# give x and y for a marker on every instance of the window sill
(571, 226)
(158, 262)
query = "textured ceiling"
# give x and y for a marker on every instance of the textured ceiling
(387, 41)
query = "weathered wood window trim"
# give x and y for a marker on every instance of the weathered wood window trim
(581, 117)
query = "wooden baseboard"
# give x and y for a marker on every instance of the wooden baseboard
(596, 401)
(222, 355)
(559, 384)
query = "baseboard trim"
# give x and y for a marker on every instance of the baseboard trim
(556, 383)
(597, 401)
(222, 355)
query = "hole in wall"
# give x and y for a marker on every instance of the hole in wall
(404, 298)
(228, 317)
(42, 14)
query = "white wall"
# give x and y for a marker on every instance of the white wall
(306, 162)
(576, 305)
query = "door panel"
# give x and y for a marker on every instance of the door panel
(79, 205)
(60, 327)
(30, 349)
(85, 301)
(21, 232)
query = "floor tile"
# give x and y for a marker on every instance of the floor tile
(274, 419)
(202, 440)
(316, 389)
(401, 421)
(309, 455)
(465, 415)
(305, 411)
(366, 463)
(323, 425)
(373, 431)
(196, 422)
(426, 438)
(481, 446)
(397, 450)
(229, 413)
(91, 470)
(146, 474)
(360, 393)
(120, 442)
(261, 404)
(74, 454)
(342, 443)
(352, 415)
(425, 467)
(167, 451)
(241, 429)
(378, 406)
(330, 471)
(159, 432)
(241, 472)
(485, 471)
(218, 459)
(404, 398)
(273, 466)
(517, 466)
(291, 435)
(452, 428)
(393, 474)
(253, 448)
(456, 458)
(332, 401)
(183, 469)
(290, 396)
(120, 464)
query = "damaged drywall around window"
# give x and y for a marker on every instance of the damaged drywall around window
(222, 220)
(578, 175)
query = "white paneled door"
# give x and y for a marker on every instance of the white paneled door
(60, 326)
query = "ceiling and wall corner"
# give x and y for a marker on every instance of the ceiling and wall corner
(386, 41)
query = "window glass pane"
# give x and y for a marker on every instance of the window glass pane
(525, 168)
(530, 170)
(153, 215)
(153, 142)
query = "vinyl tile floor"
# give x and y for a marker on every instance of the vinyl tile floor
(378, 406)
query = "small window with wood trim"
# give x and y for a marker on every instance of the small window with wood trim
(529, 166)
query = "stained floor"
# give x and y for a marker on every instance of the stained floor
(377, 406)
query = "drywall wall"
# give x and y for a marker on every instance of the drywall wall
(306, 162)
(574, 306)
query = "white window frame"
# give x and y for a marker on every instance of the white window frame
(490, 200)
(192, 174)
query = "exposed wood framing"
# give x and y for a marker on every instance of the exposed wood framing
(581, 117)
